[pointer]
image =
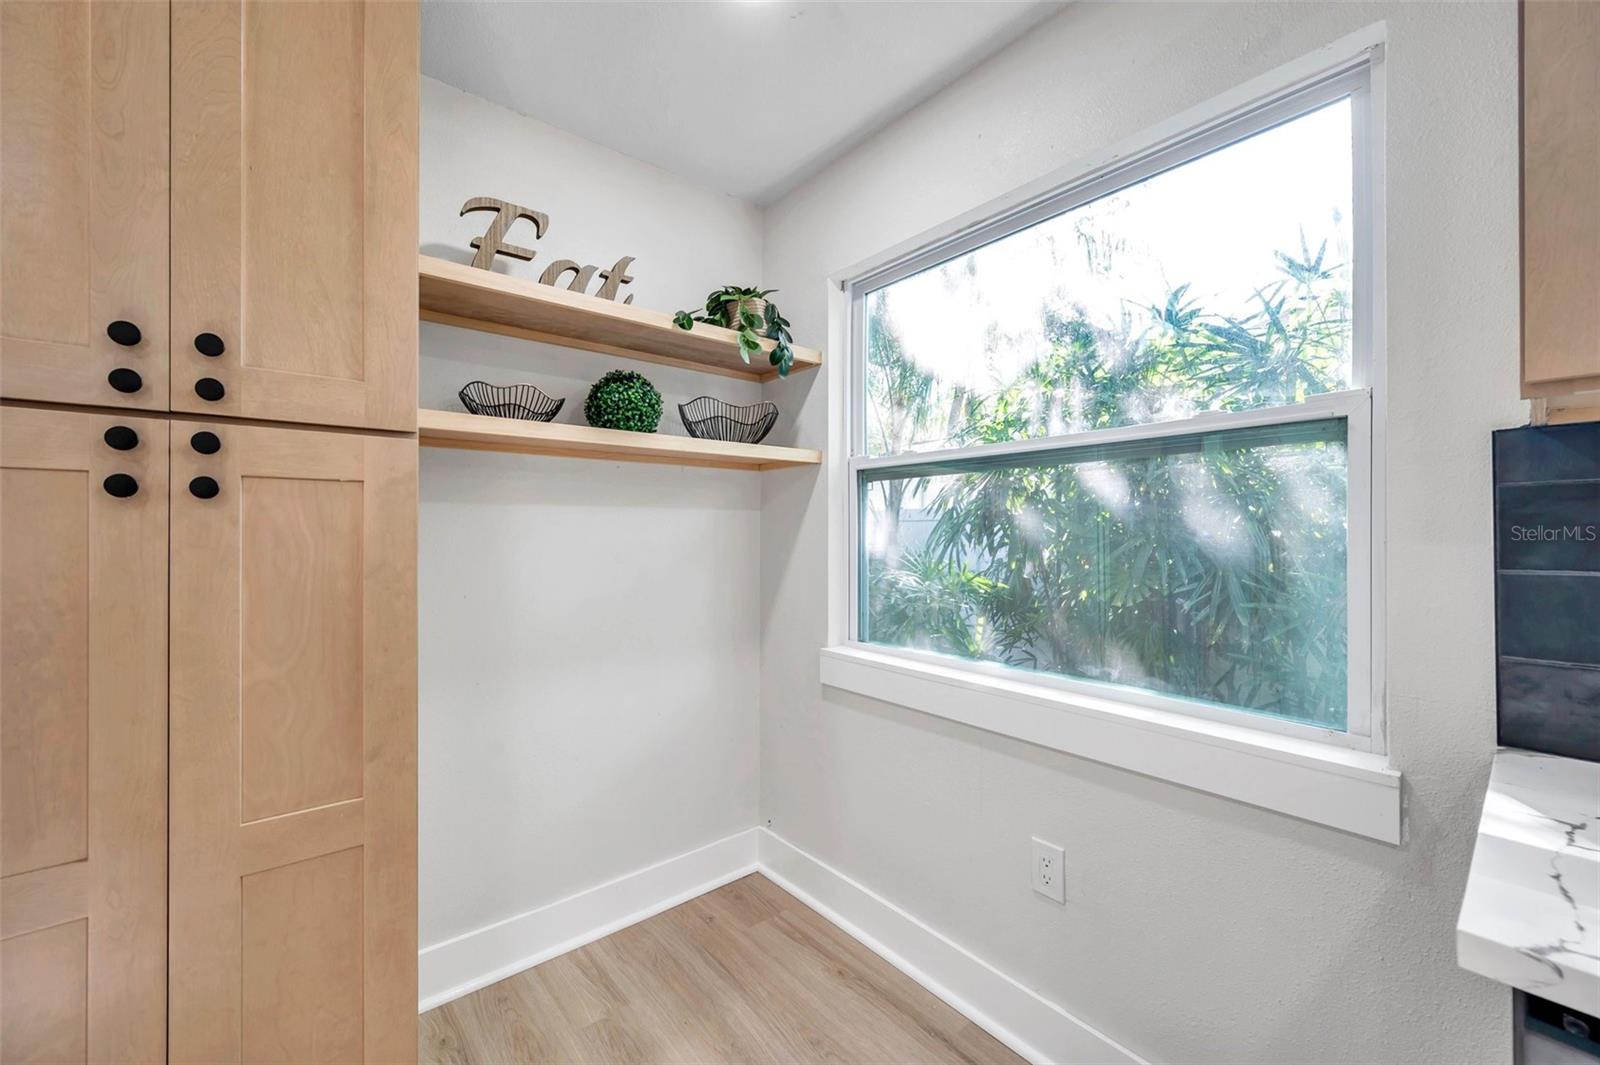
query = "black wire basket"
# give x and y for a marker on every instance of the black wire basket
(509, 401)
(711, 419)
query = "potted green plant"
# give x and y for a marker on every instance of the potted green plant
(748, 312)
(623, 400)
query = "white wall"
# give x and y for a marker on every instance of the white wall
(589, 632)
(1197, 929)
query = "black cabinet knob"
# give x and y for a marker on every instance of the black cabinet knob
(122, 438)
(210, 345)
(207, 443)
(125, 380)
(204, 488)
(121, 485)
(209, 389)
(125, 333)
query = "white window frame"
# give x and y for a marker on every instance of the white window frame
(1353, 68)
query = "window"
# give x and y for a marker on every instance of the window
(1122, 439)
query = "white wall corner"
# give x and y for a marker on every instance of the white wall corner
(1023, 1020)
(1029, 1024)
(459, 966)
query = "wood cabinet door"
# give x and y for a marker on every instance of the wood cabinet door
(83, 202)
(294, 211)
(83, 736)
(1560, 197)
(293, 701)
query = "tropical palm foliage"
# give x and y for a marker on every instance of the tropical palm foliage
(1210, 566)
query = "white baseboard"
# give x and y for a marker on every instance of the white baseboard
(1034, 1027)
(459, 966)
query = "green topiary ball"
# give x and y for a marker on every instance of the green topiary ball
(623, 399)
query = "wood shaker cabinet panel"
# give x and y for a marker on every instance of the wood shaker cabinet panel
(1560, 197)
(293, 700)
(83, 202)
(83, 736)
(294, 205)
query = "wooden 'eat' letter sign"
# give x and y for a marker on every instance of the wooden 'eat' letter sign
(493, 242)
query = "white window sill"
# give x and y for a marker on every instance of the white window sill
(1350, 790)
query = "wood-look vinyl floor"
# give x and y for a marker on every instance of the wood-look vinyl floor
(746, 973)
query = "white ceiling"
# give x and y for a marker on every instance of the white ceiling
(747, 96)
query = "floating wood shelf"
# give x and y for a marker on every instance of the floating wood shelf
(460, 295)
(444, 428)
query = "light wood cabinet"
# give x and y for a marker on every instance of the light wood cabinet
(293, 701)
(280, 138)
(294, 192)
(276, 921)
(1560, 197)
(83, 202)
(208, 813)
(83, 736)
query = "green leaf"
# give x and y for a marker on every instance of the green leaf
(683, 320)
(782, 356)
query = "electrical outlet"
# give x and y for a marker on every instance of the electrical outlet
(1049, 870)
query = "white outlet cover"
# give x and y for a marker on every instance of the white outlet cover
(1049, 870)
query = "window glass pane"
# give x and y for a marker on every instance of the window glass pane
(1209, 566)
(1221, 284)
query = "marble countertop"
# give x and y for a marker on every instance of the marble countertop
(1530, 917)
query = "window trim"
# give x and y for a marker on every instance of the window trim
(1353, 791)
(1352, 67)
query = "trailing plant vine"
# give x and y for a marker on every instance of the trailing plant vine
(752, 327)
